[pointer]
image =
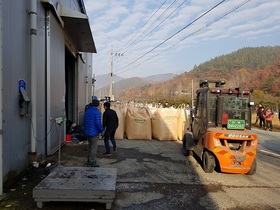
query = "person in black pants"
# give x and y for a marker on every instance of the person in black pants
(261, 118)
(110, 124)
(93, 128)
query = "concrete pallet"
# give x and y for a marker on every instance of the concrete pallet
(78, 184)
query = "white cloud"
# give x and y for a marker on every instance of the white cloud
(118, 23)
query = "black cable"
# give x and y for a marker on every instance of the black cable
(142, 27)
(174, 34)
(135, 43)
(43, 140)
(159, 24)
(193, 33)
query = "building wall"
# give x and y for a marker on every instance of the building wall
(16, 57)
(56, 86)
(50, 87)
(41, 80)
(73, 4)
(84, 74)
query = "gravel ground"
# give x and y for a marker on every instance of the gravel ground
(142, 177)
(151, 175)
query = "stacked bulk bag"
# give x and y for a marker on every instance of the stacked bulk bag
(121, 112)
(152, 110)
(138, 123)
(165, 124)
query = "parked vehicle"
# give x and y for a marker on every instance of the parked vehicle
(221, 134)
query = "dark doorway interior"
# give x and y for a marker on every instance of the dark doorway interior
(70, 86)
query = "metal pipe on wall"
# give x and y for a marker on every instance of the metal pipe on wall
(87, 89)
(1, 101)
(33, 36)
(48, 76)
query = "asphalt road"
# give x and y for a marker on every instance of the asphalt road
(269, 142)
(156, 175)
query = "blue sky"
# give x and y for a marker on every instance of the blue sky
(171, 36)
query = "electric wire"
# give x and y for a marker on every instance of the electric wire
(159, 24)
(135, 42)
(195, 32)
(130, 49)
(206, 26)
(36, 138)
(170, 37)
(141, 28)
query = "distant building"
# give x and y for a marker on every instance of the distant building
(46, 77)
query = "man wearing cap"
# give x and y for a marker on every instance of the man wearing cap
(93, 127)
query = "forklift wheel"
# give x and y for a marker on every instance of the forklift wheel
(208, 162)
(185, 151)
(253, 168)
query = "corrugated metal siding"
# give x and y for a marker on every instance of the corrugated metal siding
(41, 82)
(57, 79)
(16, 65)
(85, 84)
(16, 48)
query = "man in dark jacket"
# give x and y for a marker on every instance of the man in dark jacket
(93, 127)
(110, 123)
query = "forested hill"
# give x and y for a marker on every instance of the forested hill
(257, 68)
(250, 58)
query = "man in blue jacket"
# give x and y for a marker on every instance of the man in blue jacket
(93, 127)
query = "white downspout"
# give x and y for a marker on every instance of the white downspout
(33, 36)
(87, 89)
(1, 101)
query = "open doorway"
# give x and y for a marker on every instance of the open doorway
(70, 95)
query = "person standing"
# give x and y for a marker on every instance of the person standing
(110, 124)
(259, 114)
(93, 127)
(261, 117)
(166, 105)
(268, 119)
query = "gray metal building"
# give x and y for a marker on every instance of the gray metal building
(46, 73)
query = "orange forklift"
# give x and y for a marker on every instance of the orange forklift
(221, 135)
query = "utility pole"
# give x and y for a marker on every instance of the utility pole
(192, 94)
(111, 76)
(111, 73)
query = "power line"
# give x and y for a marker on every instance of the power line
(135, 41)
(207, 25)
(174, 34)
(195, 32)
(162, 14)
(142, 27)
(130, 49)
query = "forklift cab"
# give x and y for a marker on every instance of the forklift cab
(217, 107)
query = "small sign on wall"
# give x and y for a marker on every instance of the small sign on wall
(21, 84)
